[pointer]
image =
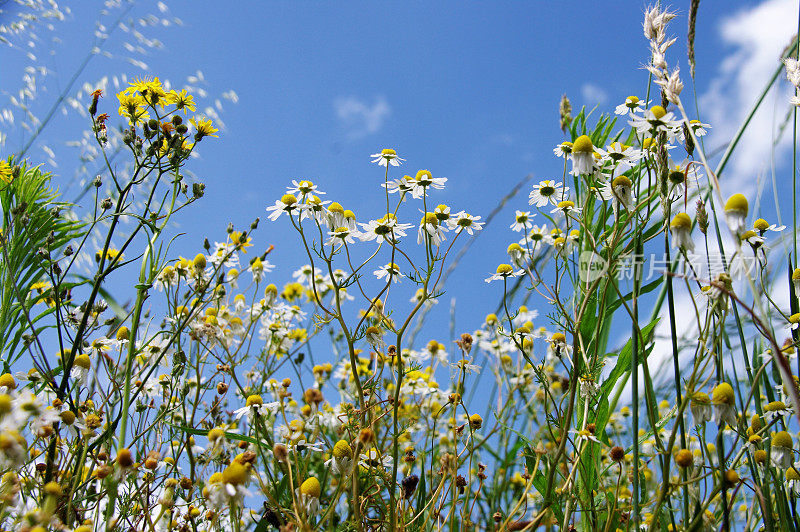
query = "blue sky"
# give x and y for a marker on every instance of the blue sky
(467, 90)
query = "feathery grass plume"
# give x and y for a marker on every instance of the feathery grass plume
(690, 34)
(565, 113)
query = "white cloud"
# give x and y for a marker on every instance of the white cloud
(593, 94)
(757, 37)
(359, 118)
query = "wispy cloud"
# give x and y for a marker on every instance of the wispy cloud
(359, 118)
(756, 36)
(593, 94)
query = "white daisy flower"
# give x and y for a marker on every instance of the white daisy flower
(467, 222)
(655, 120)
(387, 156)
(430, 227)
(631, 104)
(390, 269)
(287, 204)
(566, 207)
(762, 226)
(424, 180)
(403, 185)
(736, 209)
(547, 191)
(340, 235)
(521, 221)
(681, 228)
(563, 150)
(620, 191)
(622, 156)
(386, 229)
(303, 188)
(582, 156)
(504, 271)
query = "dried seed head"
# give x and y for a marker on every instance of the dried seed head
(617, 453)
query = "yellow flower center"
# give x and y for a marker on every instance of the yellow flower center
(430, 218)
(583, 144)
(255, 400)
(681, 221)
(621, 181)
(723, 394)
(737, 203)
(761, 225)
(505, 269)
(782, 439)
(311, 487)
(658, 112)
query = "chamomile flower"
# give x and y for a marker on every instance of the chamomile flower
(403, 185)
(566, 208)
(794, 321)
(563, 149)
(372, 458)
(622, 156)
(341, 235)
(582, 156)
(781, 454)
(535, 235)
(341, 462)
(385, 229)
(584, 435)
(335, 215)
(255, 406)
(762, 226)
(442, 213)
(698, 128)
(431, 229)
(425, 180)
(547, 191)
(308, 493)
(775, 410)
(701, 408)
(504, 271)
(793, 480)
(631, 104)
(386, 157)
(655, 120)
(466, 366)
(80, 369)
(681, 229)
(752, 238)
(724, 402)
(620, 191)
(287, 204)
(314, 208)
(736, 209)
(521, 221)
(303, 188)
(390, 269)
(517, 254)
(557, 344)
(467, 222)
